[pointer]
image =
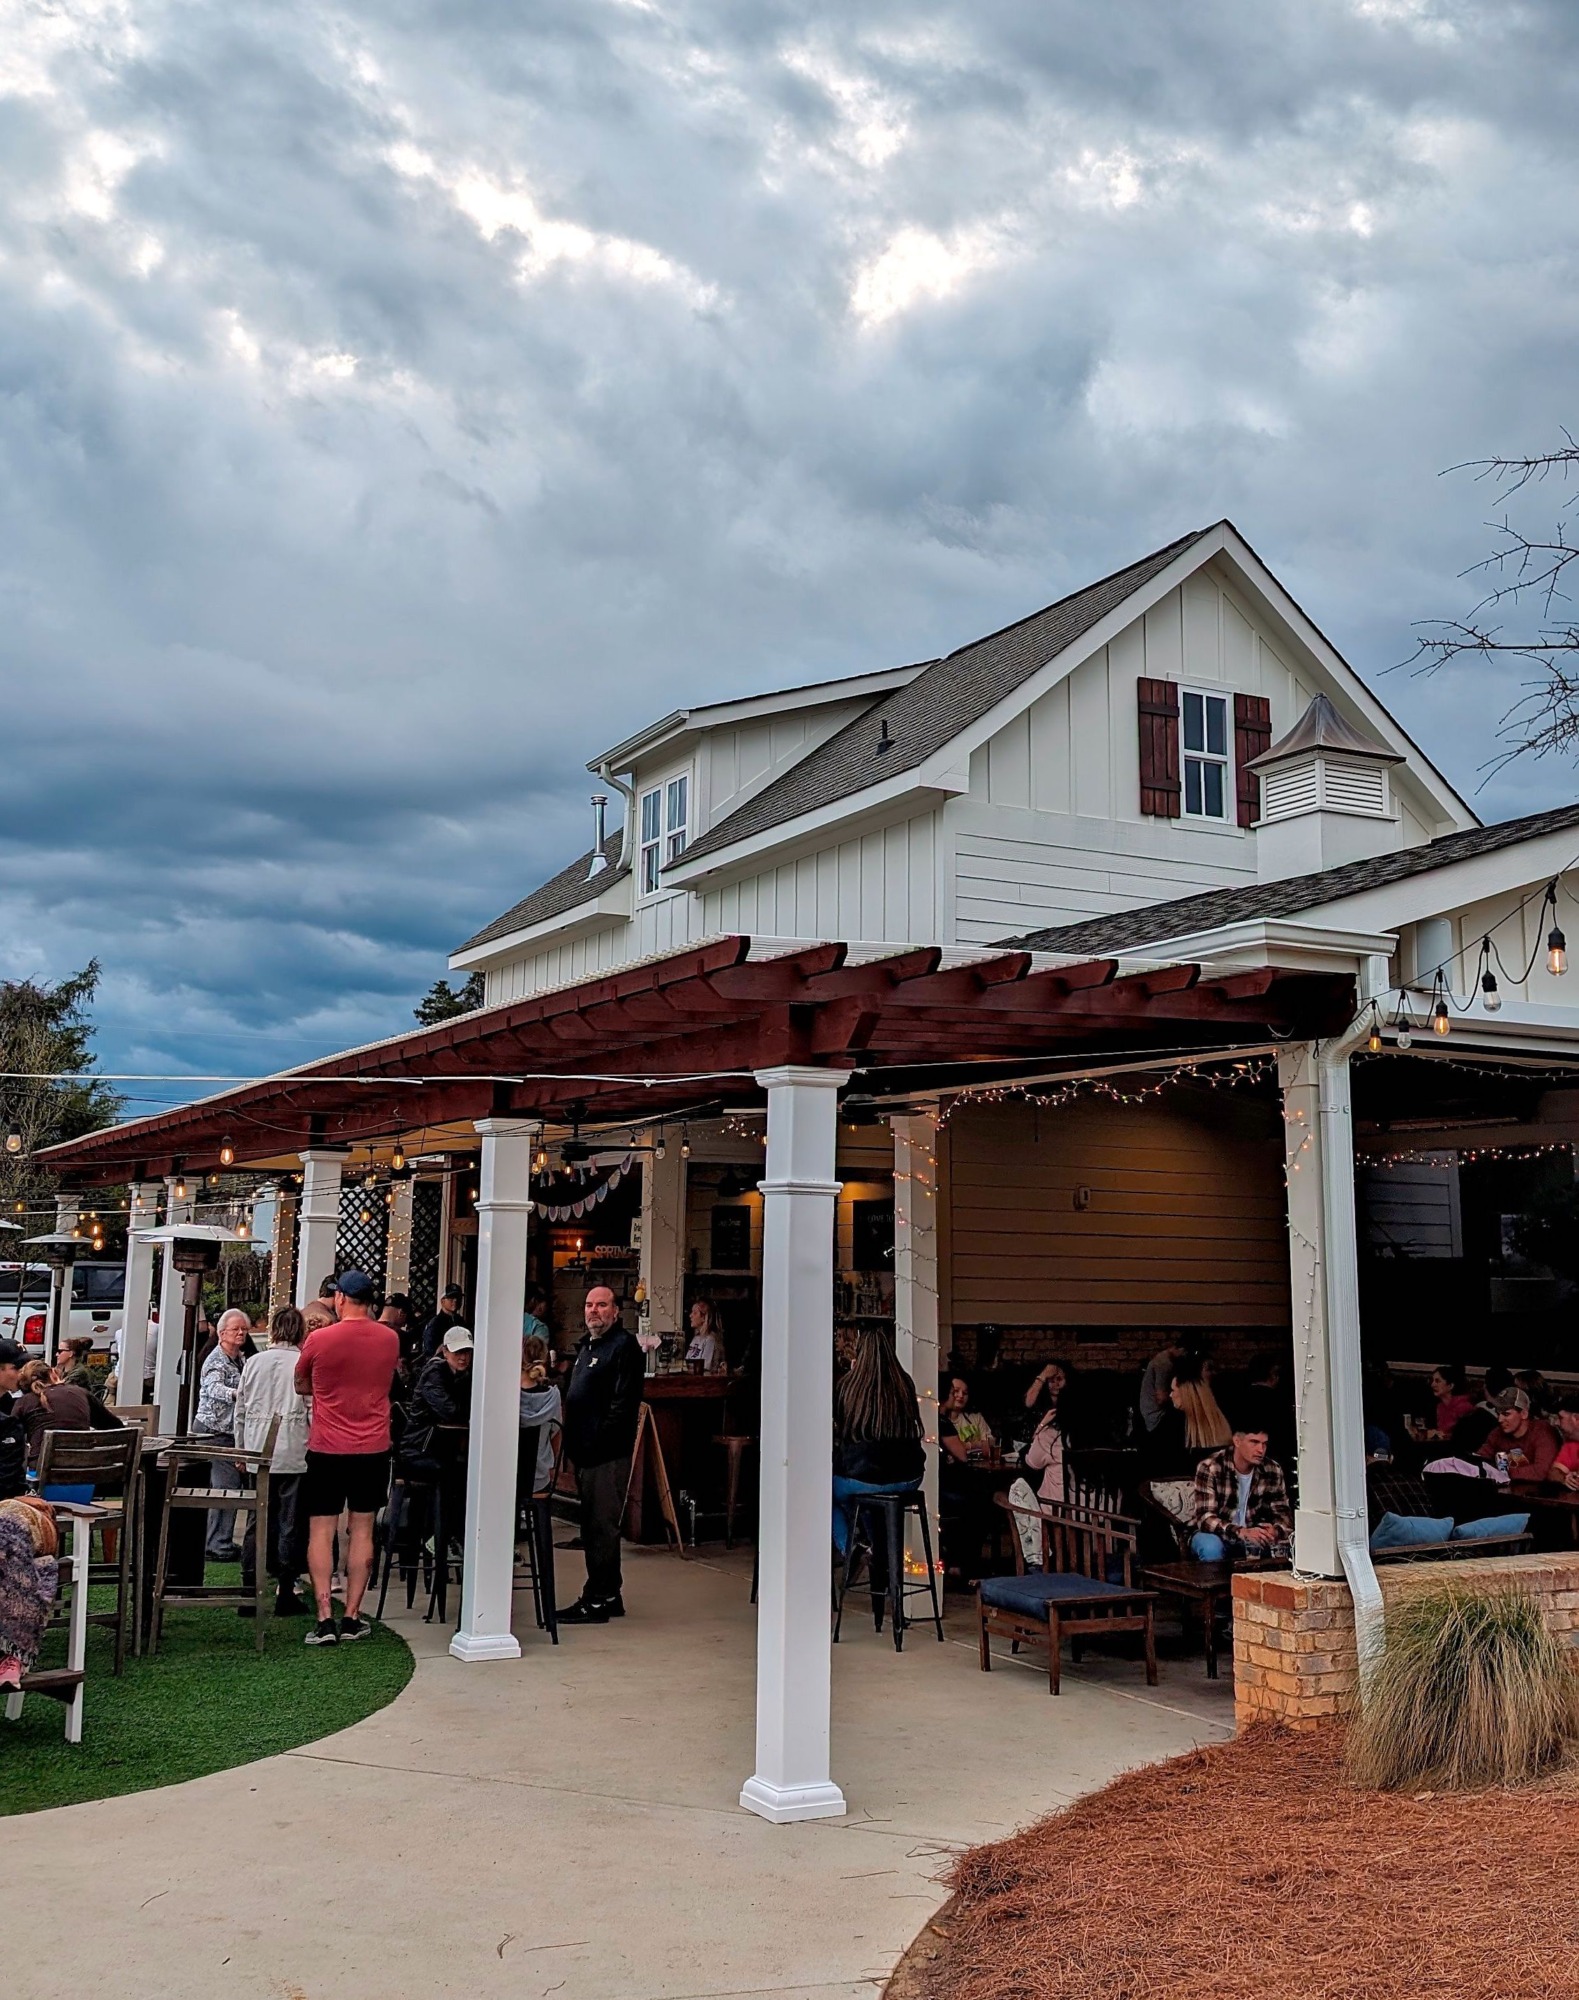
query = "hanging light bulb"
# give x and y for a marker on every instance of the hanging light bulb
(397, 1158)
(370, 1179)
(179, 1190)
(365, 1216)
(389, 1199)
(1441, 1020)
(1556, 951)
(685, 1145)
(1373, 1041)
(13, 1142)
(1490, 998)
(659, 1148)
(213, 1180)
(227, 1152)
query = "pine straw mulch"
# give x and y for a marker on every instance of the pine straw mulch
(1254, 1871)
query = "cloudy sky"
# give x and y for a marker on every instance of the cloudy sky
(399, 403)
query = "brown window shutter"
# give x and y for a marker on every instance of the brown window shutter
(1158, 703)
(1252, 737)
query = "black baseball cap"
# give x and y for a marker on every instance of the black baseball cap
(12, 1356)
(355, 1285)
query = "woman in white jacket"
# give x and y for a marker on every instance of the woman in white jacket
(268, 1390)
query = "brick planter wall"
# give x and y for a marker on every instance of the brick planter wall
(1294, 1658)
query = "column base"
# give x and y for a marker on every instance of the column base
(780, 1804)
(485, 1646)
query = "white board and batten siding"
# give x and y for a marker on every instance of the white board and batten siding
(1184, 1225)
(1051, 831)
(880, 887)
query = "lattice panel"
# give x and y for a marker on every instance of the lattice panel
(427, 1229)
(359, 1245)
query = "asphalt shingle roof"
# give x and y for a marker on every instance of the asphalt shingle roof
(565, 891)
(945, 697)
(1128, 930)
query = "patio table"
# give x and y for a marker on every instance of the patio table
(1564, 1504)
(1204, 1585)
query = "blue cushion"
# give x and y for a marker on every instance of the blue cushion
(69, 1496)
(1030, 1595)
(1408, 1531)
(1493, 1526)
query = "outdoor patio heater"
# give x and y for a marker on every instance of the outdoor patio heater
(193, 1249)
(60, 1249)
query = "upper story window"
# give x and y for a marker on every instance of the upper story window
(665, 821)
(1204, 719)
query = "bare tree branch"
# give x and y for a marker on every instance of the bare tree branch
(1526, 574)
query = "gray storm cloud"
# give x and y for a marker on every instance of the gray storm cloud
(397, 405)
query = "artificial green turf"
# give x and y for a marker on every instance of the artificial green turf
(207, 1701)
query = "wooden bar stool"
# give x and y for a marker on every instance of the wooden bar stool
(187, 1462)
(736, 1445)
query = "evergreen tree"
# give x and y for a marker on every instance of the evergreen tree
(442, 1002)
(47, 1089)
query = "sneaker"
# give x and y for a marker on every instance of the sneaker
(289, 1605)
(584, 1612)
(615, 1606)
(324, 1633)
(355, 1628)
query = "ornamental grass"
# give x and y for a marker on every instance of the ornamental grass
(1471, 1690)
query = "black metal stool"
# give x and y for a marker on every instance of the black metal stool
(884, 1513)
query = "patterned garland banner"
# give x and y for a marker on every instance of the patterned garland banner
(572, 1211)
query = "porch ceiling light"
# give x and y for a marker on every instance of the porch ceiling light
(397, 1159)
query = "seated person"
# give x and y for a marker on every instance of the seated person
(1191, 1425)
(48, 1404)
(707, 1339)
(1528, 1443)
(1565, 1466)
(962, 1432)
(1453, 1402)
(877, 1438)
(543, 1411)
(440, 1399)
(1045, 1455)
(1241, 1500)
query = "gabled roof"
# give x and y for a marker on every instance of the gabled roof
(1128, 930)
(1321, 727)
(565, 891)
(944, 698)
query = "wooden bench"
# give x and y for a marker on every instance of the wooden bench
(1084, 1589)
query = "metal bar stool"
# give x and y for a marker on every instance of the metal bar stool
(882, 1515)
(535, 1523)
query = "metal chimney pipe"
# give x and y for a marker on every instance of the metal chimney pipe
(600, 860)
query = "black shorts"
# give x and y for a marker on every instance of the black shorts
(358, 1480)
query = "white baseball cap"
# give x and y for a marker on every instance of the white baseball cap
(458, 1340)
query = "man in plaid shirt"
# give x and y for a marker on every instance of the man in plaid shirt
(1241, 1498)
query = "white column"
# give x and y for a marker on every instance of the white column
(916, 1289)
(794, 1664)
(663, 1238)
(504, 1203)
(172, 1314)
(138, 1294)
(318, 1221)
(1324, 1279)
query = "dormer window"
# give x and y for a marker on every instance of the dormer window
(665, 822)
(1205, 745)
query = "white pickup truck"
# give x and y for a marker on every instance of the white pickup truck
(97, 1292)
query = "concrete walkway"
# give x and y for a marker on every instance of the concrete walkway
(566, 1824)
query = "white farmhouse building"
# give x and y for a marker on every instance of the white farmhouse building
(1049, 957)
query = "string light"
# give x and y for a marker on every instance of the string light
(397, 1158)
(13, 1142)
(1463, 1155)
(1373, 1041)
(1248, 1070)
(227, 1152)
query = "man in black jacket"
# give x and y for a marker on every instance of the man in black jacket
(602, 1409)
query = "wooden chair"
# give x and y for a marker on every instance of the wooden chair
(110, 1462)
(65, 1684)
(1084, 1589)
(188, 1461)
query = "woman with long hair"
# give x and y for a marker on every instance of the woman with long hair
(1205, 1426)
(268, 1390)
(878, 1431)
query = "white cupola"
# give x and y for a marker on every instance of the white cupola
(1326, 797)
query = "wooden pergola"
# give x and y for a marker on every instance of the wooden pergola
(717, 1024)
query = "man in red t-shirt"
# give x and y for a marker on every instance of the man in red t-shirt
(346, 1370)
